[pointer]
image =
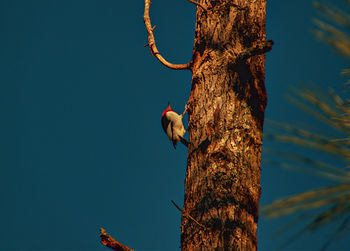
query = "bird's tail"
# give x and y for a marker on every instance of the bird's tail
(183, 141)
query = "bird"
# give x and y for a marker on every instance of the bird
(173, 127)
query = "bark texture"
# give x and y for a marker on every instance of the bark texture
(226, 114)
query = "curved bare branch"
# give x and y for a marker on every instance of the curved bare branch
(152, 43)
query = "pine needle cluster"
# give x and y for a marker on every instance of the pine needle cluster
(328, 205)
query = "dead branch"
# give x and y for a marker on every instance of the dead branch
(188, 216)
(152, 43)
(199, 4)
(108, 241)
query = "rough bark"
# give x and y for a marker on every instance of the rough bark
(226, 114)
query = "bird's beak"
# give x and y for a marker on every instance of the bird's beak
(169, 104)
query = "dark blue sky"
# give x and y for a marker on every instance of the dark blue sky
(81, 142)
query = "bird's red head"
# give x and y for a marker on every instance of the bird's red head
(168, 109)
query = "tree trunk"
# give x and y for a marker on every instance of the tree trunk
(226, 114)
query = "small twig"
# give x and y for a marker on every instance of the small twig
(199, 4)
(259, 49)
(176, 206)
(152, 43)
(188, 216)
(108, 241)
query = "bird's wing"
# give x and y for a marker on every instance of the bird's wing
(172, 135)
(165, 123)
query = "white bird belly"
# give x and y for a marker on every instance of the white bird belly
(178, 128)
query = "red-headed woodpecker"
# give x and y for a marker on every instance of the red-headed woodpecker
(173, 127)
